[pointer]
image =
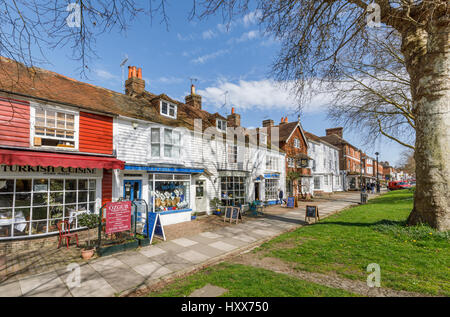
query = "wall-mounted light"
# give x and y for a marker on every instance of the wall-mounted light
(135, 125)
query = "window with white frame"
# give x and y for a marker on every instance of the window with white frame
(297, 143)
(271, 188)
(168, 109)
(54, 128)
(272, 163)
(325, 180)
(291, 162)
(170, 145)
(232, 153)
(317, 182)
(221, 125)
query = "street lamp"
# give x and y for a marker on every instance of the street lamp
(378, 183)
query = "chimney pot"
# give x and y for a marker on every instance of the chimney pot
(192, 89)
(129, 72)
(286, 119)
(134, 85)
(232, 110)
(139, 73)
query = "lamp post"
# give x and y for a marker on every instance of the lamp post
(378, 183)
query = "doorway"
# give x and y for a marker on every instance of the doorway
(257, 196)
(132, 189)
(201, 201)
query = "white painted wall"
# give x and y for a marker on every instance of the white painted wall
(330, 177)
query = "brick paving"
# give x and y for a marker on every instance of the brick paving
(41, 269)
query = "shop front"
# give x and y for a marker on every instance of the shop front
(34, 198)
(272, 187)
(233, 188)
(167, 190)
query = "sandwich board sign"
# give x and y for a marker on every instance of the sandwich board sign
(154, 226)
(118, 217)
(290, 202)
(312, 212)
(232, 213)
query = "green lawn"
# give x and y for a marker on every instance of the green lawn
(411, 258)
(246, 281)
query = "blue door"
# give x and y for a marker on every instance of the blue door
(132, 190)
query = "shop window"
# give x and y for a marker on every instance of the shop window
(54, 128)
(34, 206)
(272, 186)
(233, 190)
(171, 192)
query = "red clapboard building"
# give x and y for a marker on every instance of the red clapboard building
(56, 151)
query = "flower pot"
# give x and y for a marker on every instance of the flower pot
(87, 254)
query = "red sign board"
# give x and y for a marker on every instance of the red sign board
(118, 217)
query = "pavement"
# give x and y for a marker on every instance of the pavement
(125, 272)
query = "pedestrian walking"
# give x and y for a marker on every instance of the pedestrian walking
(280, 195)
(373, 188)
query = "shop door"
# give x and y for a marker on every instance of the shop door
(200, 196)
(257, 191)
(132, 190)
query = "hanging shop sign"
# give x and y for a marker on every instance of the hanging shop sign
(118, 217)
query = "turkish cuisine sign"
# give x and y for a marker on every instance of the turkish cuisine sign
(46, 170)
(118, 217)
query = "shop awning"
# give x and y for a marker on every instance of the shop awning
(34, 158)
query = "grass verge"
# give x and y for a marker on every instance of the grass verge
(415, 259)
(246, 281)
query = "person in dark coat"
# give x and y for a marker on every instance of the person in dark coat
(280, 195)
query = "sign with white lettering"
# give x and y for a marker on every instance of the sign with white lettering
(118, 217)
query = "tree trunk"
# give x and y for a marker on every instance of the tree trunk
(427, 54)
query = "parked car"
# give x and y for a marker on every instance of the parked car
(398, 185)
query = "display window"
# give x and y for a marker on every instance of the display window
(169, 191)
(233, 189)
(34, 206)
(272, 186)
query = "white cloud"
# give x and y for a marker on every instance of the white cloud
(248, 36)
(251, 18)
(209, 34)
(204, 58)
(188, 37)
(103, 74)
(264, 94)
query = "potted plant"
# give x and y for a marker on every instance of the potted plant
(143, 240)
(90, 221)
(215, 203)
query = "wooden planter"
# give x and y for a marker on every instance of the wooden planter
(143, 242)
(108, 250)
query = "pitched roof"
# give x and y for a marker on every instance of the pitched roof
(316, 138)
(336, 140)
(37, 83)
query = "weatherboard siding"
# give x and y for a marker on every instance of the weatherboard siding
(96, 133)
(14, 123)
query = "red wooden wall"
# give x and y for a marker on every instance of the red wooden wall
(96, 133)
(106, 186)
(14, 123)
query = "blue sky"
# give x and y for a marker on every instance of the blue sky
(231, 65)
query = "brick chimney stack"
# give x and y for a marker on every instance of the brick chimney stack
(234, 119)
(193, 99)
(283, 120)
(134, 85)
(338, 131)
(267, 123)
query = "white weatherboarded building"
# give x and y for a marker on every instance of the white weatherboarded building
(324, 165)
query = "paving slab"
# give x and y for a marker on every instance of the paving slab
(152, 251)
(210, 235)
(152, 270)
(222, 246)
(44, 285)
(132, 258)
(208, 291)
(10, 288)
(245, 238)
(193, 256)
(122, 279)
(184, 242)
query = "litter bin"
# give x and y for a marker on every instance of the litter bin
(364, 198)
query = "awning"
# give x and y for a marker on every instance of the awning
(34, 158)
(160, 169)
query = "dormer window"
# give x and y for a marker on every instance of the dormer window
(221, 125)
(168, 109)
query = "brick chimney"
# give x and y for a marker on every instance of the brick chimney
(338, 131)
(193, 99)
(234, 119)
(267, 123)
(134, 85)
